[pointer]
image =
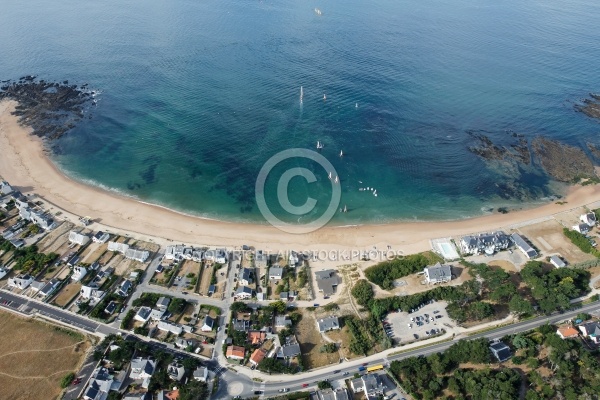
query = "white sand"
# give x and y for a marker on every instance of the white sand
(23, 163)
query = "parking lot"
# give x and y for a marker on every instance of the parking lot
(408, 327)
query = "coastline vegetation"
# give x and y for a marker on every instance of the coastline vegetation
(579, 240)
(384, 273)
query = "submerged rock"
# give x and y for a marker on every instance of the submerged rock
(590, 107)
(562, 162)
(51, 109)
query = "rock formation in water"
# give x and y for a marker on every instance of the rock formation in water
(50, 108)
(590, 107)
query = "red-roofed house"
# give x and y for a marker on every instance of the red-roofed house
(567, 332)
(258, 356)
(256, 337)
(235, 352)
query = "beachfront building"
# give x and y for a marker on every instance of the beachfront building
(174, 252)
(78, 238)
(328, 324)
(557, 262)
(581, 228)
(327, 281)
(40, 218)
(438, 273)
(118, 247)
(100, 237)
(588, 218)
(5, 188)
(522, 245)
(294, 259)
(488, 243)
(260, 259)
(137, 255)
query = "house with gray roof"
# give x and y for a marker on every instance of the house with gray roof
(522, 245)
(49, 287)
(501, 351)
(243, 292)
(163, 303)
(21, 281)
(282, 321)
(290, 349)
(327, 281)
(275, 273)
(201, 374)
(78, 238)
(209, 323)
(438, 273)
(246, 277)
(100, 237)
(142, 369)
(557, 262)
(176, 371)
(591, 330)
(328, 324)
(484, 243)
(143, 314)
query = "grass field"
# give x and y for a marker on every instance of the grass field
(67, 293)
(35, 356)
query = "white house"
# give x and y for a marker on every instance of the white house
(5, 188)
(118, 247)
(581, 228)
(243, 292)
(174, 252)
(591, 330)
(137, 255)
(20, 281)
(163, 303)
(78, 238)
(143, 314)
(208, 325)
(49, 287)
(3, 272)
(282, 321)
(260, 259)
(176, 371)
(142, 369)
(438, 273)
(293, 259)
(275, 273)
(170, 327)
(91, 292)
(157, 314)
(78, 273)
(588, 219)
(484, 243)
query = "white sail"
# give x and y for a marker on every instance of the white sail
(341, 153)
(301, 94)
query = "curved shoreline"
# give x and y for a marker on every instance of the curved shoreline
(24, 163)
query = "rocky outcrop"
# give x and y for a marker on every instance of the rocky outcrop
(50, 108)
(562, 162)
(590, 107)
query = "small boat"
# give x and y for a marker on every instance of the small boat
(345, 208)
(329, 175)
(301, 94)
(324, 97)
(341, 153)
(318, 12)
(356, 105)
(319, 145)
(336, 179)
(375, 193)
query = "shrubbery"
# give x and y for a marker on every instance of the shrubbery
(384, 273)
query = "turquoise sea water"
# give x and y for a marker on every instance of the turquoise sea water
(197, 95)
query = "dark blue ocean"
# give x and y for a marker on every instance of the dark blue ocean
(196, 95)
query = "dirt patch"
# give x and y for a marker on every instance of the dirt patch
(507, 266)
(93, 252)
(343, 337)
(67, 293)
(34, 357)
(548, 237)
(56, 238)
(311, 342)
(207, 272)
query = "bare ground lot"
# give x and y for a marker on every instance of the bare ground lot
(188, 267)
(548, 237)
(34, 357)
(311, 341)
(67, 293)
(56, 238)
(93, 252)
(207, 272)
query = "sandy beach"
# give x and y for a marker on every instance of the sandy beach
(25, 165)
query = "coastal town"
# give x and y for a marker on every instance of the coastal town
(177, 320)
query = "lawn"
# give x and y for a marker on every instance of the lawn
(35, 356)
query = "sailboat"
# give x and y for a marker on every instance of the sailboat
(345, 208)
(301, 94)
(319, 145)
(341, 153)
(330, 175)
(324, 97)
(336, 179)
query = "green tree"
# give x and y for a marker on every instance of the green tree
(363, 292)
(67, 379)
(323, 385)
